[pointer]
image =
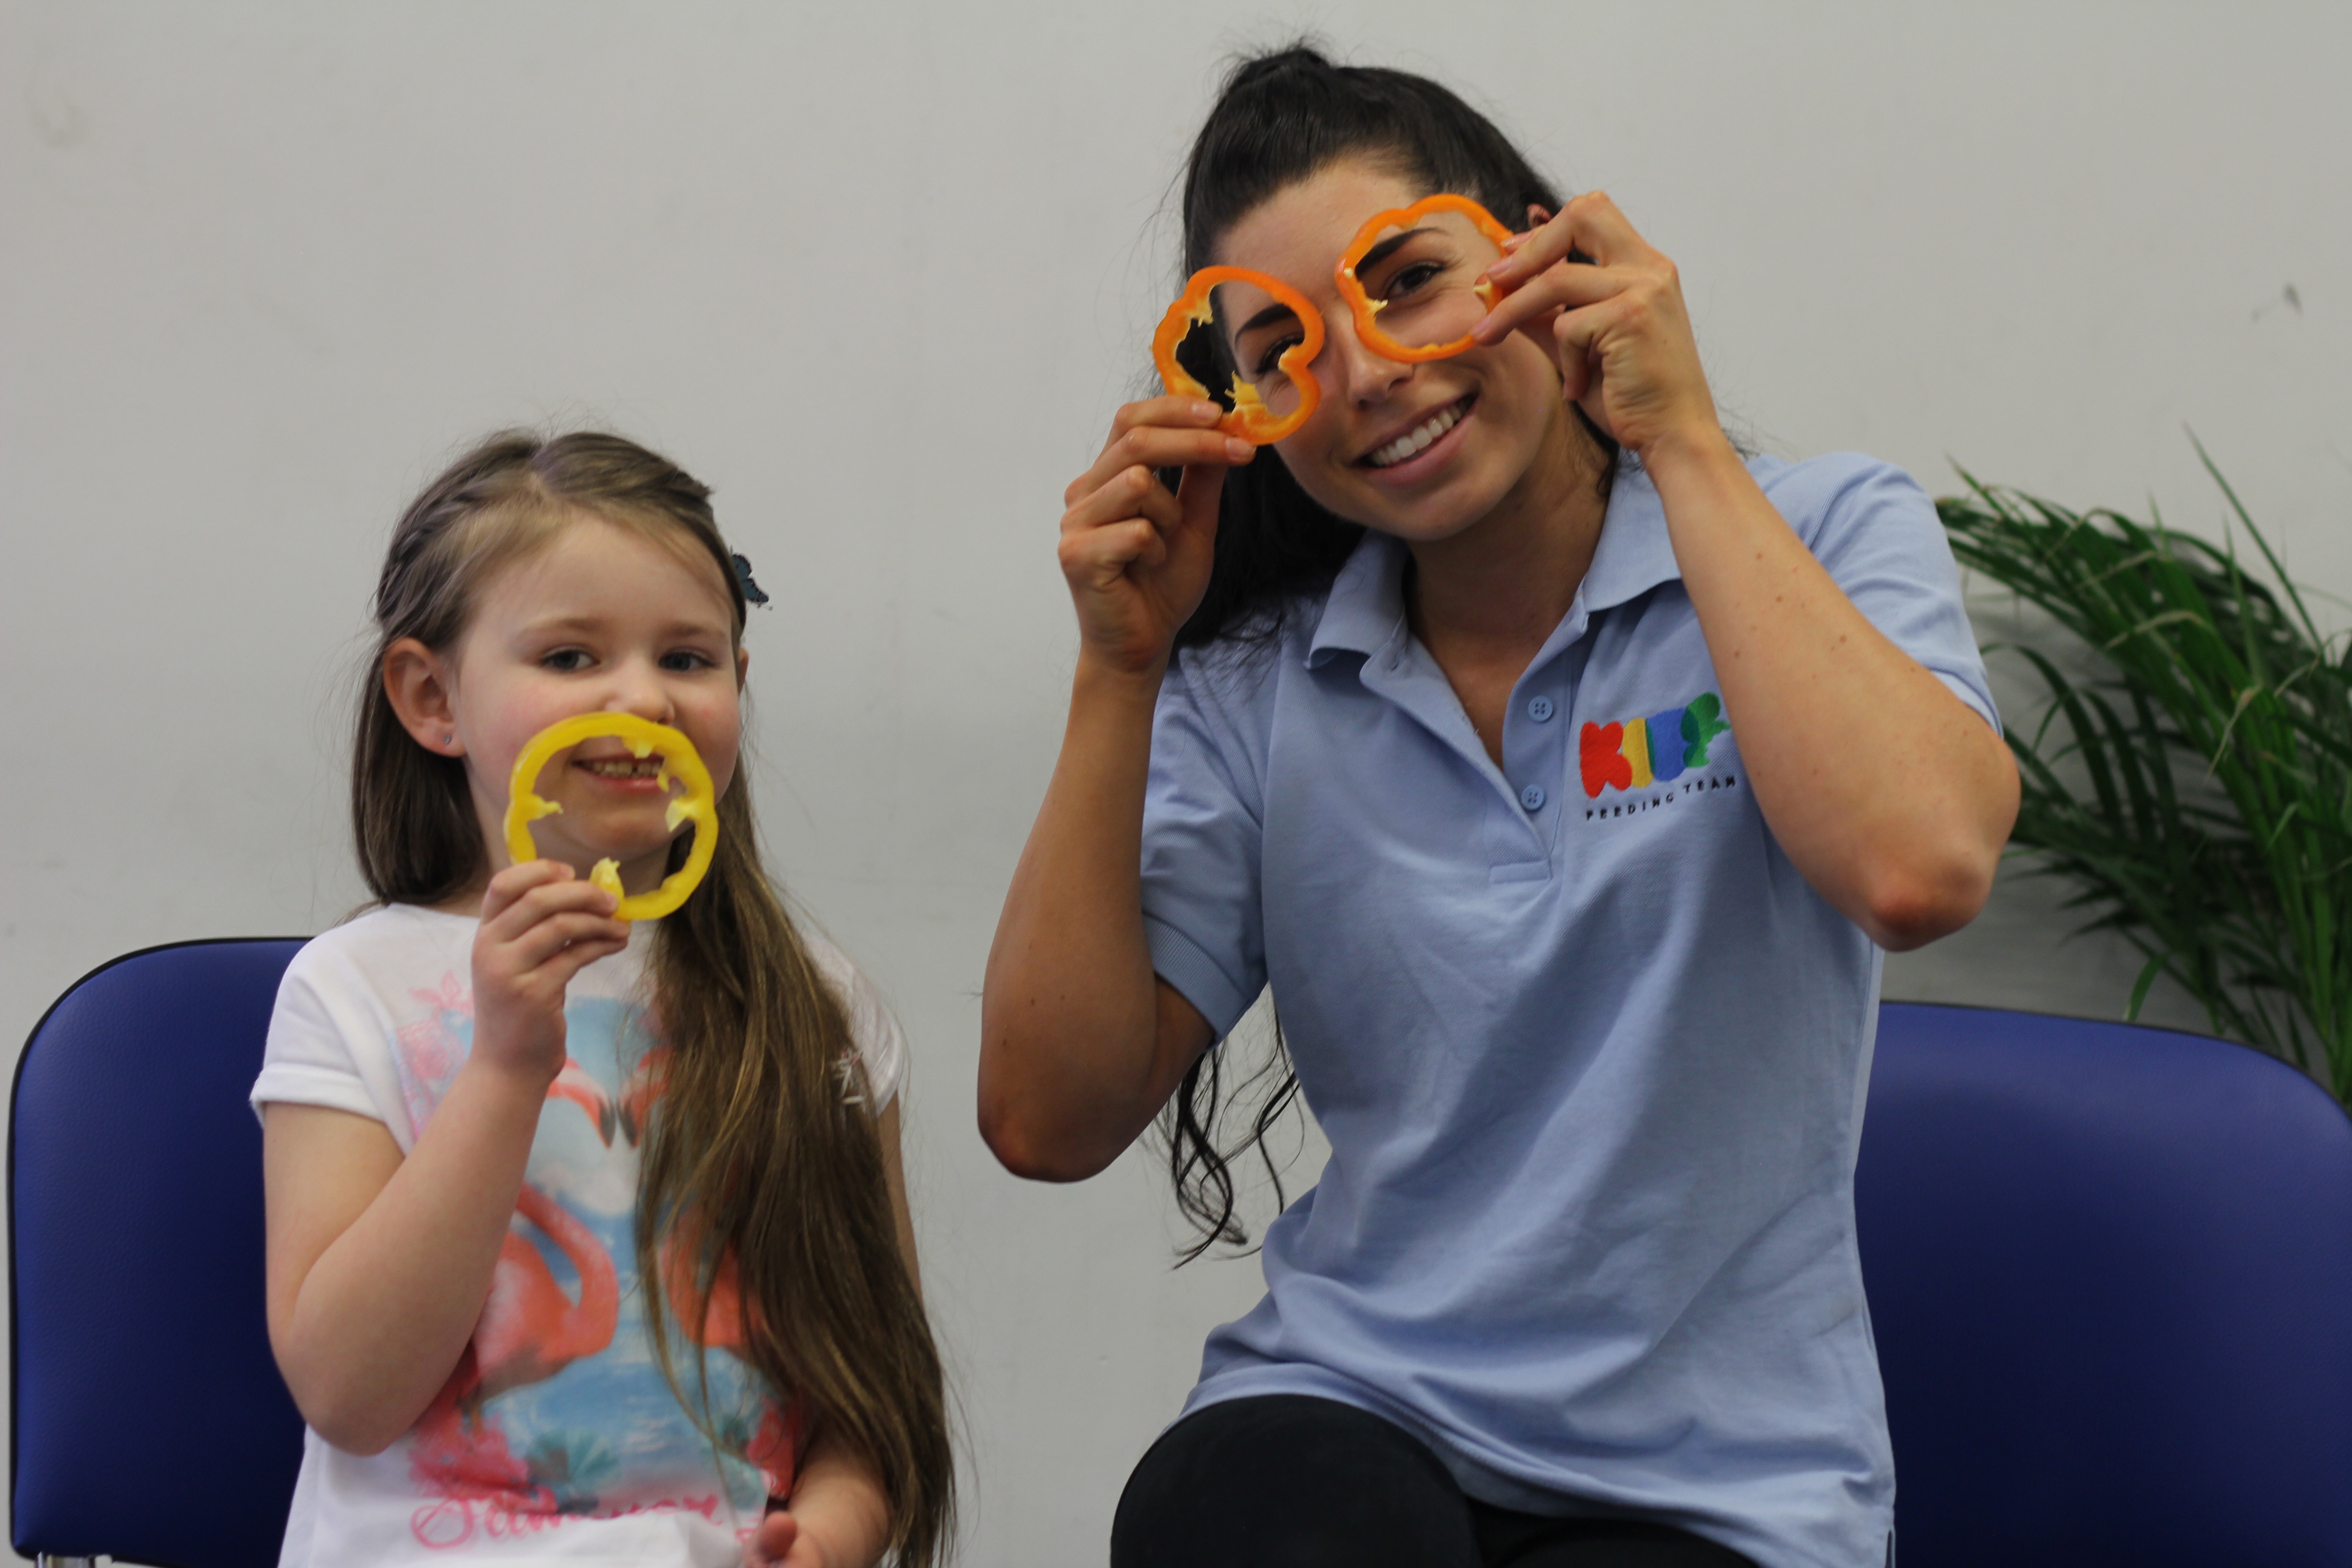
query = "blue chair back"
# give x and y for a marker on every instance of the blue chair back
(2110, 1275)
(149, 1421)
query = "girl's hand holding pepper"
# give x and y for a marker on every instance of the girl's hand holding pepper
(541, 926)
(1136, 556)
(1615, 325)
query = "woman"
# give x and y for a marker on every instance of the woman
(1564, 773)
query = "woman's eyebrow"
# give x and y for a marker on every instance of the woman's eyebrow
(1266, 317)
(1386, 247)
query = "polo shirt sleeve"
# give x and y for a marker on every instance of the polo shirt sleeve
(1876, 530)
(1203, 825)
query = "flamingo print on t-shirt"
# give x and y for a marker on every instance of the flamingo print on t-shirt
(556, 1408)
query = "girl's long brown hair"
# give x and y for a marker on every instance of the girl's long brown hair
(759, 1146)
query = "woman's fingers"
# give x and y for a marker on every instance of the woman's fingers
(1604, 234)
(1098, 556)
(1197, 494)
(1160, 432)
(1171, 409)
(1570, 286)
(1130, 492)
(1584, 253)
(1589, 225)
(1151, 447)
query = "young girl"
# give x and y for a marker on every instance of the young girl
(1563, 773)
(587, 1239)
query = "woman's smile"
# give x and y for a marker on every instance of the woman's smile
(1402, 457)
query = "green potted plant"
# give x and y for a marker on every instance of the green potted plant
(2190, 776)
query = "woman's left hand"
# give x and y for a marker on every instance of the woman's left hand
(1615, 325)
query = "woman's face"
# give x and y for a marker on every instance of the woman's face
(1421, 452)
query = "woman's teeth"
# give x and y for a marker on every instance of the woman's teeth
(624, 767)
(1416, 438)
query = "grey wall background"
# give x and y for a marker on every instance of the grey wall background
(880, 274)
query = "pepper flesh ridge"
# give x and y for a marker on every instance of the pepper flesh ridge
(1250, 419)
(1367, 309)
(699, 804)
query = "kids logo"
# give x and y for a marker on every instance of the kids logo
(1640, 752)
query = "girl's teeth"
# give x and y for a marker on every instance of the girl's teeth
(622, 768)
(1416, 438)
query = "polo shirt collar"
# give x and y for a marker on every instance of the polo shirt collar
(1635, 554)
(1364, 612)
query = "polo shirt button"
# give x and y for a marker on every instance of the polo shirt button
(1532, 797)
(1540, 709)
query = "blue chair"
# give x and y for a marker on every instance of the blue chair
(2110, 1274)
(149, 1422)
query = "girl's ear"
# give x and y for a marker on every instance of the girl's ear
(742, 666)
(420, 685)
(1539, 215)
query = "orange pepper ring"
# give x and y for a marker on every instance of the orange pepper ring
(1367, 309)
(1250, 419)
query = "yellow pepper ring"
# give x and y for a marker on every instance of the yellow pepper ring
(1249, 418)
(1367, 309)
(699, 804)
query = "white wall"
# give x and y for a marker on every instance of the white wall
(880, 274)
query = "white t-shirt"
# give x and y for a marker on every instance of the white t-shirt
(557, 1438)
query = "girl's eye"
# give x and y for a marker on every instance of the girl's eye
(1270, 359)
(565, 659)
(686, 659)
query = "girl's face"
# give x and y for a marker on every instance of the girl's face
(600, 619)
(1355, 453)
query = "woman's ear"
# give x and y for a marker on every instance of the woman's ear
(420, 685)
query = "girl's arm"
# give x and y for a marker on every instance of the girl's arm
(1904, 850)
(1080, 1043)
(378, 1265)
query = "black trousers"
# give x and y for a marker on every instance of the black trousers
(1289, 1481)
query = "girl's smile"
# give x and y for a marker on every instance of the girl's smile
(639, 774)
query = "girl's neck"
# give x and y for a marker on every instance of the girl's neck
(1505, 582)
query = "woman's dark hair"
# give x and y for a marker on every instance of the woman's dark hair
(762, 1177)
(1281, 118)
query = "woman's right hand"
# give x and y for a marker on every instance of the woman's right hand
(1137, 557)
(541, 926)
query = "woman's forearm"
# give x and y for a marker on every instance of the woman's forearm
(1906, 849)
(1073, 1062)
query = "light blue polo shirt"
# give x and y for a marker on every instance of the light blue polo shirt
(1590, 1053)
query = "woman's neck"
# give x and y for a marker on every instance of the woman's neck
(1500, 586)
